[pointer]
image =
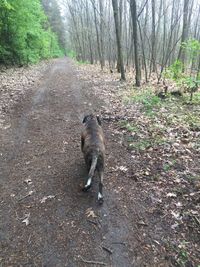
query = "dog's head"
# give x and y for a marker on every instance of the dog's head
(90, 117)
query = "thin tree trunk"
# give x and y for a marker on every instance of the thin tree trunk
(119, 47)
(101, 33)
(97, 34)
(181, 55)
(153, 38)
(89, 33)
(143, 53)
(134, 24)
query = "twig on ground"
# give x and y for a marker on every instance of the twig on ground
(29, 239)
(28, 195)
(92, 262)
(142, 223)
(196, 220)
(95, 223)
(107, 250)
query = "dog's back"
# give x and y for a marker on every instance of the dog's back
(93, 139)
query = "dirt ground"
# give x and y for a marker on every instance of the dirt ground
(46, 220)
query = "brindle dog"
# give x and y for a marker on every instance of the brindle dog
(93, 148)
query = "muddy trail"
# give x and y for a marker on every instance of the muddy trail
(46, 220)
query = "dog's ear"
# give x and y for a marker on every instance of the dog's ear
(85, 119)
(98, 120)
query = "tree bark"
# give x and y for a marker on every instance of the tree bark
(153, 38)
(181, 55)
(97, 34)
(134, 25)
(101, 33)
(119, 47)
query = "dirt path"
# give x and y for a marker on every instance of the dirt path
(40, 157)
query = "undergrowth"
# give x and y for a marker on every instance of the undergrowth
(163, 116)
(72, 54)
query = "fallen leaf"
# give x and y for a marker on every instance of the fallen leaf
(90, 213)
(122, 168)
(26, 220)
(43, 200)
(28, 181)
(178, 204)
(142, 223)
(173, 226)
(171, 195)
(176, 215)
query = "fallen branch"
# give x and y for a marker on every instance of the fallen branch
(107, 250)
(93, 222)
(93, 262)
(28, 195)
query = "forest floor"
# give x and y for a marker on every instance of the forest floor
(150, 216)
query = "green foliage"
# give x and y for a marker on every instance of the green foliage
(71, 54)
(192, 120)
(140, 144)
(130, 127)
(192, 47)
(147, 98)
(23, 33)
(5, 4)
(51, 9)
(81, 62)
(191, 82)
(174, 72)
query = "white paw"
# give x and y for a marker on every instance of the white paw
(100, 197)
(88, 182)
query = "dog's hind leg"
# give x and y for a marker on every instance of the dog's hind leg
(100, 193)
(91, 174)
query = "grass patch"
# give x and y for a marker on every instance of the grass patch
(140, 145)
(196, 98)
(192, 120)
(163, 119)
(144, 144)
(147, 98)
(182, 257)
(130, 127)
(166, 167)
(81, 62)
(71, 54)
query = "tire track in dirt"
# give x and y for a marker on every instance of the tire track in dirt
(43, 146)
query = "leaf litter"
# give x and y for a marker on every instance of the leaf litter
(164, 146)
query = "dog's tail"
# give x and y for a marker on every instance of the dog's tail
(91, 173)
(93, 166)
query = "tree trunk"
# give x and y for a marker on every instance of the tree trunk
(97, 35)
(101, 33)
(153, 38)
(119, 47)
(181, 54)
(143, 53)
(134, 24)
